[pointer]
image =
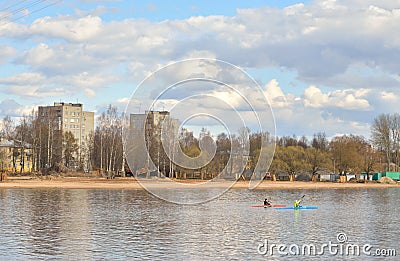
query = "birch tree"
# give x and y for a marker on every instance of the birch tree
(382, 135)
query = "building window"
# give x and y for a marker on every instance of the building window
(76, 120)
(72, 120)
(66, 120)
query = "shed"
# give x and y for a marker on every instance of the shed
(376, 176)
(392, 175)
(364, 175)
(283, 176)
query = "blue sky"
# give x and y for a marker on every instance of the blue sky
(324, 65)
(156, 10)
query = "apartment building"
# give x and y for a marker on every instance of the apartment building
(69, 117)
(149, 125)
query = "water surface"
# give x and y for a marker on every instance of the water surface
(96, 224)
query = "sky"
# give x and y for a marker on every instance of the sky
(330, 66)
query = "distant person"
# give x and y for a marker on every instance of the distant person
(267, 203)
(297, 203)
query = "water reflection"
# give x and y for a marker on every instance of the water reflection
(126, 224)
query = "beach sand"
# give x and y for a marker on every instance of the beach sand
(131, 183)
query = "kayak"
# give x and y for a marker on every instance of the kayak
(273, 205)
(297, 208)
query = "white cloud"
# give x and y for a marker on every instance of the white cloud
(39, 54)
(313, 97)
(123, 100)
(90, 93)
(345, 99)
(37, 91)
(23, 78)
(274, 94)
(86, 79)
(6, 52)
(319, 40)
(37, 85)
(67, 27)
(350, 48)
(10, 107)
(389, 96)
(119, 103)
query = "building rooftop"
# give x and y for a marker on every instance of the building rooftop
(12, 143)
(68, 104)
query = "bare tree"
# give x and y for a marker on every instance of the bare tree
(8, 128)
(347, 153)
(395, 130)
(108, 137)
(9, 134)
(70, 149)
(320, 142)
(382, 135)
(317, 160)
(22, 137)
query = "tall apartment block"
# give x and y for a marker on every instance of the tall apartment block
(151, 122)
(148, 125)
(70, 117)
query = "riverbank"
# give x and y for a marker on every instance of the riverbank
(131, 183)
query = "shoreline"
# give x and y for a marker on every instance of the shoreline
(131, 183)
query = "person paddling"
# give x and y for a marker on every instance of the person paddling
(267, 203)
(297, 203)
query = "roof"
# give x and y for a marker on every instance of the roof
(6, 143)
(13, 143)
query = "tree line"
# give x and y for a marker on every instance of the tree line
(293, 155)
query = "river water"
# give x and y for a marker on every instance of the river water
(96, 224)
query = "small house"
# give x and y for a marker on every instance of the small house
(15, 156)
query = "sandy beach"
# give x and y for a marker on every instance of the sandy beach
(131, 183)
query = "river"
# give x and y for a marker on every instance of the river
(101, 224)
